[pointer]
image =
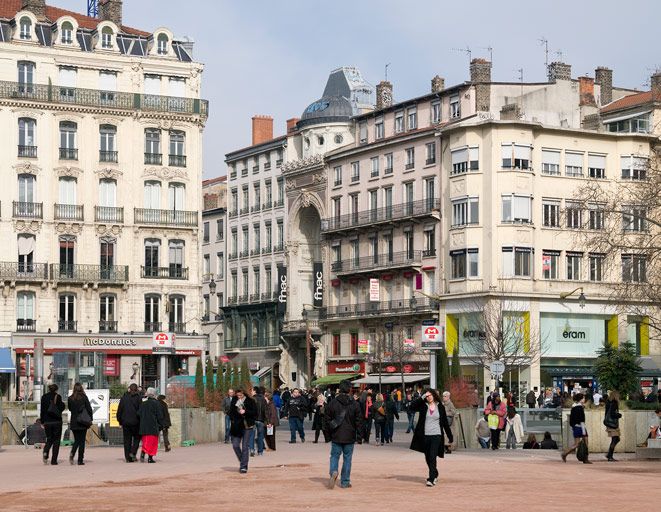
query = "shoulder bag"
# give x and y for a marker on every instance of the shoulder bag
(84, 418)
(53, 411)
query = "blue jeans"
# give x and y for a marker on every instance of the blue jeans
(296, 425)
(258, 432)
(411, 417)
(380, 431)
(346, 450)
(228, 424)
(390, 429)
(484, 443)
(241, 447)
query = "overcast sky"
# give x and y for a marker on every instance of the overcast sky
(273, 56)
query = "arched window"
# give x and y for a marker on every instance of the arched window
(25, 31)
(152, 303)
(162, 44)
(106, 37)
(67, 33)
(25, 318)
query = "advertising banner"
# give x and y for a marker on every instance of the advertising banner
(281, 289)
(318, 284)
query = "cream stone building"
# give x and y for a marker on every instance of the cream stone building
(101, 204)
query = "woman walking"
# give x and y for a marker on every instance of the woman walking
(317, 421)
(451, 412)
(391, 414)
(151, 422)
(272, 421)
(428, 434)
(167, 422)
(612, 422)
(513, 429)
(242, 413)
(81, 419)
(495, 412)
(379, 415)
(577, 424)
(52, 406)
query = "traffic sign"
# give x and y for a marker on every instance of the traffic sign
(163, 343)
(100, 402)
(433, 337)
(497, 368)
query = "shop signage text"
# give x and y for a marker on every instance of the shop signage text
(109, 342)
(318, 296)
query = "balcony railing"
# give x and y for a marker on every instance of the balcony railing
(109, 214)
(279, 247)
(152, 326)
(258, 342)
(177, 327)
(89, 273)
(428, 253)
(279, 202)
(128, 101)
(254, 297)
(177, 160)
(108, 156)
(424, 207)
(378, 261)
(267, 205)
(15, 271)
(107, 325)
(26, 325)
(256, 208)
(233, 255)
(245, 210)
(244, 253)
(233, 213)
(267, 250)
(165, 217)
(67, 325)
(153, 158)
(171, 272)
(269, 296)
(68, 212)
(23, 210)
(383, 308)
(27, 151)
(232, 300)
(243, 299)
(68, 154)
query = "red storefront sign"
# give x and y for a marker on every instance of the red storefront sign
(111, 366)
(346, 367)
(412, 367)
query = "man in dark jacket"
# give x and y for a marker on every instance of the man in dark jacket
(242, 415)
(531, 399)
(167, 422)
(50, 415)
(227, 405)
(297, 410)
(343, 421)
(260, 422)
(127, 417)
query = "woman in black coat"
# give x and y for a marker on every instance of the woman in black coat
(612, 422)
(81, 419)
(151, 422)
(50, 415)
(167, 422)
(428, 434)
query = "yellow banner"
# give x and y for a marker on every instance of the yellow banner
(113, 415)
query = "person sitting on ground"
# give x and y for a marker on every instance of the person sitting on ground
(482, 431)
(36, 434)
(548, 443)
(531, 443)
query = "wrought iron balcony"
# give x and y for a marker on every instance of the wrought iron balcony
(24, 210)
(429, 253)
(397, 307)
(26, 325)
(128, 101)
(27, 151)
(108, 156)
(152, 326)
(243, 299)
(179, 218)
(109, 214)
(254, 297)
(67, 325)
(244, 253)
(249, 343)
(232, 300)
(233, 213)
(388, 214)
(279, 247)
(153, 158)
(255, 252)
(177, 160)
(267, 205)
(279, 202)
(68, 212)
(171, 272)
(89, 273)
(107, 325)
(233, 255)
(15, 271)
(267, 250)
(177, 327)
(256, 208)
(269, 297)
(397, 260)
(68, 154)
(244, 210)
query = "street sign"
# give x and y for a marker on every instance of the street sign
(113, 415)
(389, 325)
(100, 402)
(433, 337)
(363, 346)
(374, 290)
(497, 368)
(163, 343)
(429, 322)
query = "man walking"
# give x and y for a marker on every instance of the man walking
(297, 410)
(343, 421)
(227, 405)
(127, 417)
(531, 399)
(260, 422)
(242, 414)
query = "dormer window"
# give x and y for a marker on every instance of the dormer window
(25, 32)
(106, 37)
(67, 33)
(162, 44)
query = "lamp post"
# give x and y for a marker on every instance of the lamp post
(581, 297)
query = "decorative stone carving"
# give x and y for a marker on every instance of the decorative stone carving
(27, 226)
(68, 171)
(27, 168)
(291, 247)
(283, 369)
(290, 185)
(108, 230)
(319, 358)
(64, 228)
(166, 124)
(458, 239)
(108, 173)
(302, 163)
(165, 173)
(320, 177)
(306, 199)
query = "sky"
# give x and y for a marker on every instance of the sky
(272, 57)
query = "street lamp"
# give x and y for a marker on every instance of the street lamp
(135, 367)
(581, 297)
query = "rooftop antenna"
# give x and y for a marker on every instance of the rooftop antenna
(466, 50)
(558, 54)
(387, 71)
(490, 50)
(520, 70)
(93, 8)
(545, 43)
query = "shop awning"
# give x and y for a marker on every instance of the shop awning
(6, 364)
(393, 379)
(333, 379)
(261, 373)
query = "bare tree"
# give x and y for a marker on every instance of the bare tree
(390, 347)
(624, 224)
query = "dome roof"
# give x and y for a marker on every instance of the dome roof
(327, 110)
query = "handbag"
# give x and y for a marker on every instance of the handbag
(84, 419)
(493, 421)
(582, 451)
(53, 411)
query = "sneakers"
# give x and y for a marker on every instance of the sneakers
(243, 471)
(333, 479)
(252, 453)
(430, 483)
(435, 481)
(346, 486)
(45, 458)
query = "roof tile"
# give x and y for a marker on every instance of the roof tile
(631, 101)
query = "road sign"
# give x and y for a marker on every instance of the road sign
(100, 402)
(497, 368)
(433, 337)
(429, 322)
(163, 343)
(389, 325)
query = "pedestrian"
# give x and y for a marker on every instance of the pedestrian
(612, 422)
(272, 421)
(260, 422)
(34, 435)
(428, 435)
(392, 412)
(227, 406)
(577, 424)
(167, 422)
(495, 413)
(379, 415)
(366, 411)
(242, 414)
(318, 419)
(50, 416)
(277, 401)
(285, 397)
(81, 419)
(531, 443)
(410, 415)
(531, 398)
(540, 398)
(343, 420)
(513, 429)
(548, 443)
(151, 422)
(450, 412)
(127, 417)
(296, 412)
(482, 431)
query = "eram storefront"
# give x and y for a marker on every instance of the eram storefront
(100, 361)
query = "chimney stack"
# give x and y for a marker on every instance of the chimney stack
(586, 91)
(559, 71)
(291, 124)
(604, 77)
(655, 81)
(111, 10)
(437, 84)
(36, 7)
(262, 129)
(480, 71)
(383, 95)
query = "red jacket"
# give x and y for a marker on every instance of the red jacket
(500, 410)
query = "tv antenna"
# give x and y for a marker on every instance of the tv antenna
(466, 50)
(545, 43)
(558, 54)
(490, 50)
(387, 71)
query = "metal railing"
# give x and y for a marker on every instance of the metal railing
(279, 247)
(68, 154)
(15, 271)
(260, 342)
(428, 253)
(256, 207)
(268, 296)
(387, 307)
(153, 158)
(267, 205)
(96, 98)
(233, 213)
(177, 160)
(423, 207)
(279, 202)
(243, 299)
(171, 272)
(68, 212)
(107, 325)
(233, 255)
(109, 214)
(370, 263)
(26, 325)
(108, 156)
(27, 151)
(254, 297)
(232, 300)
(244, 210)
(67, 325)
(89, 273)
(177, 327)
(244, 253)
(267, 250)
(165, 217)
(23, 210)
(152, 326)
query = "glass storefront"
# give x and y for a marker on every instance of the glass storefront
(565, 335)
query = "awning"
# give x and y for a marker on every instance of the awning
(393, 379)
(334, 379)
(650, 367)
(6, 364)
(259, 374)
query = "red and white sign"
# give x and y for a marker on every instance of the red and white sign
(374, 290)
(224, 359)
(433, 337)
(163, 343)
(363, 346)
(111, 366)
(409, 345)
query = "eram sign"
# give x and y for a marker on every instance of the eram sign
(163, 343)
(433, 337)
